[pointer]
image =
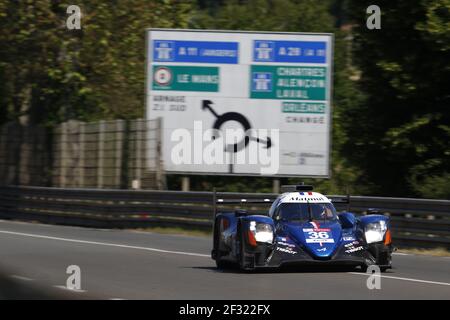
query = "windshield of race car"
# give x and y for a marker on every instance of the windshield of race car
(303, 212)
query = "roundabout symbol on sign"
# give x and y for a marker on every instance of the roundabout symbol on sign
(242, 120)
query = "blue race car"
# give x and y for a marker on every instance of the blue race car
(301, 228)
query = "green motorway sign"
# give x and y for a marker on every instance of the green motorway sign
(288, 82)
(303, 107)
(185, 78)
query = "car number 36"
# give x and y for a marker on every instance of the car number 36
(318, 235)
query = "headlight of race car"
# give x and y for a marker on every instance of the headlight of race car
(263, 232)
(375, 231)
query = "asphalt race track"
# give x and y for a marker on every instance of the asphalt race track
(118, 264)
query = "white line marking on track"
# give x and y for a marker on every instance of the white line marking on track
(14, 276)
(104, 244)
(71, 290)
(182, 253)
(404, 279)
(401, 254)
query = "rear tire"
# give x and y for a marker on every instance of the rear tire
(244, 264)
(224, 265)
(241, 254)
(220, 264)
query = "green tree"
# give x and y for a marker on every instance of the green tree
(50, 74)
(261, 15)
(400, 135)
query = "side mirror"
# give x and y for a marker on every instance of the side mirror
(347, 220)
(373, 211)
(240, 213)
(277, 217)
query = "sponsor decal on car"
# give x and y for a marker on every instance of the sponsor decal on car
(351, 247)
(316, 230)
(286, 244)
(348, 238)
(318, 235)
(286, 250)
(354, 249)
(319, 240)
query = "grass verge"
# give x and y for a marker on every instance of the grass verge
(436, 252)
(176, 230)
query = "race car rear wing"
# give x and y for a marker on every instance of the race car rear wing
(217, 201)
(297, 187)
(238, 201)
(343, 200)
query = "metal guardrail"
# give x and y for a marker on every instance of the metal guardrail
(415, 222)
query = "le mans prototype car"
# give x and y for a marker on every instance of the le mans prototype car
(302, 228)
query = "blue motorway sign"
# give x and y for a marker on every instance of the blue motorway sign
(289, 51)
(195, 51)
(261, 81)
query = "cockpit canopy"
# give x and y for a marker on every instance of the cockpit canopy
(303, 212)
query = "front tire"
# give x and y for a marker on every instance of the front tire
(382, 269)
